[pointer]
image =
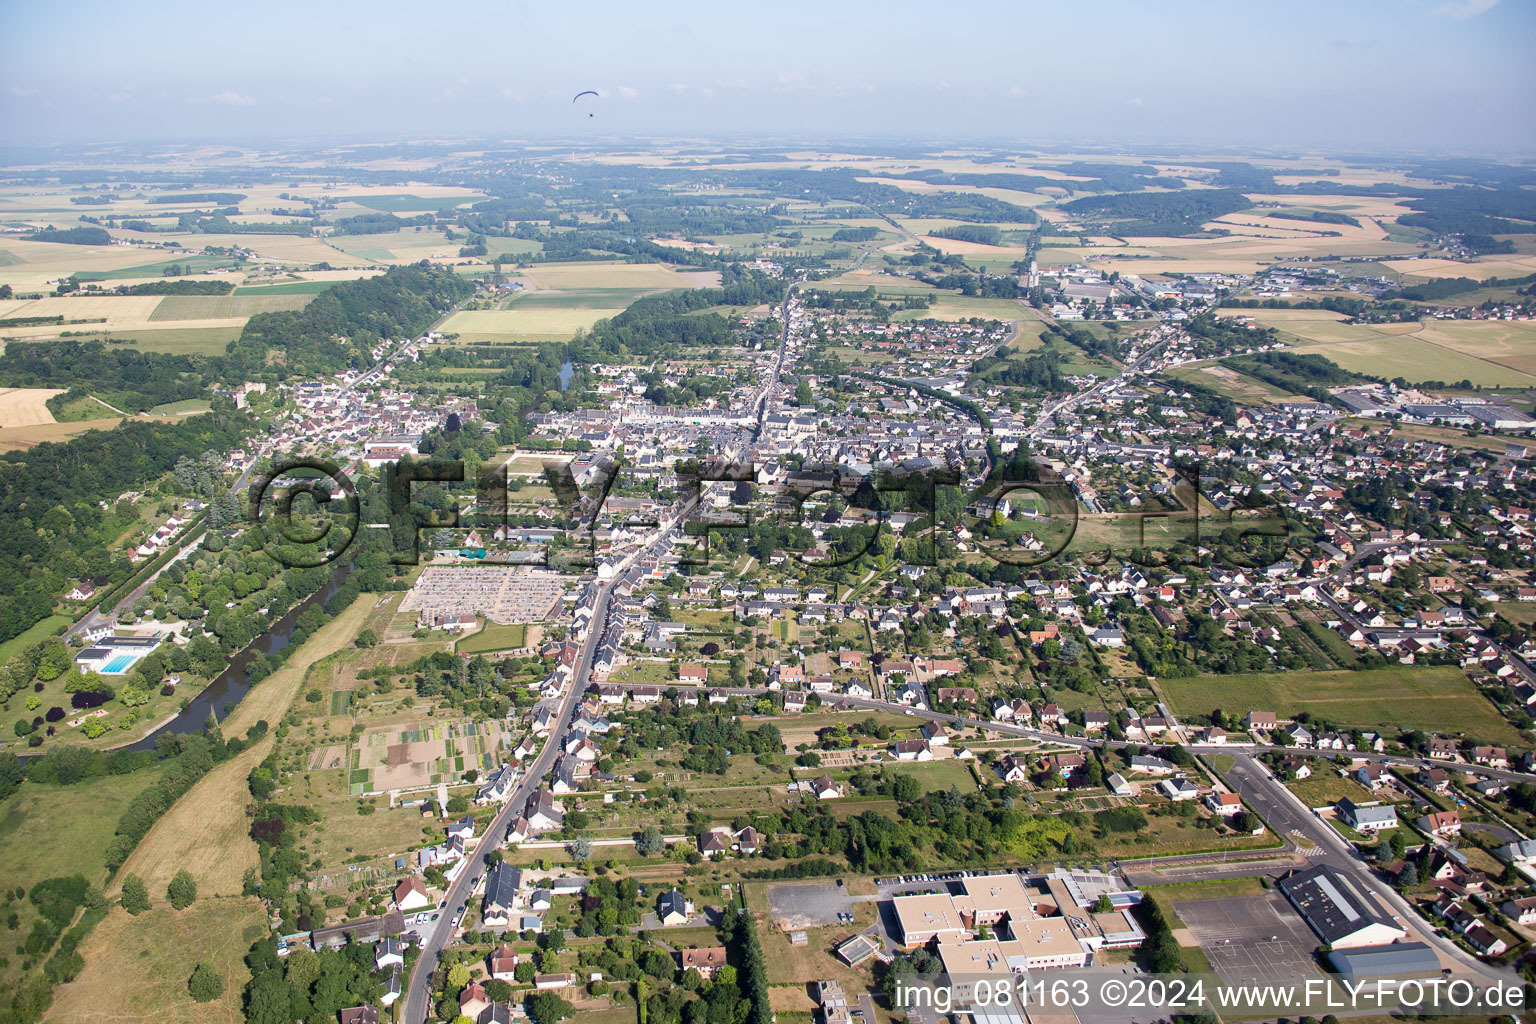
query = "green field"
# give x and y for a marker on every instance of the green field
(286, 288)
(957, 307)
(218, 307)
(532, 324)
(196, 261)
(35, 634)
(404, 202)
(50, 831)
(189, 407)
(1439, 699)
(180, 341)
(493, 637)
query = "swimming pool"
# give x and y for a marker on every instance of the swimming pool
(119, 664)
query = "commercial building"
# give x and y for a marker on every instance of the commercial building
(1338, 910)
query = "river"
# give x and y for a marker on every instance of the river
(567, 371)
(233, 683)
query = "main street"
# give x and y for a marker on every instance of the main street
(462, 889)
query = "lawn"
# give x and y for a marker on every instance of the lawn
(180, 341)
(936, 776)
(142, 963)
(493, 637)
(1435, 698)
(35, 634)
(1325, 788)
(49, 831)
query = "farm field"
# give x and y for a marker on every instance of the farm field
(108, 310)
(642, 276)
(25, 407)
(144, 962)
(225, 307)
(404, 246)
(959, 307)
(1237, 386)
(178, 341)
(1440, 699)
(531, 325)
(1508, 343)
(1491, 354)
(17, 438)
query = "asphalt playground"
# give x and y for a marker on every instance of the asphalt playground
(1252, 939)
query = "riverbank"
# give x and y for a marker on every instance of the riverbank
(207, 831)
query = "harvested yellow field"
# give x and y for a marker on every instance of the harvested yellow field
(37, 263)
(949, 245)
(136, 968)
(570, 276)
(19, 438)
(207, 832)
(116, 310)
(1510, 343)
(25, 407)
(1478, 270)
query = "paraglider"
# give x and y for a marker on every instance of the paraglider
(587, 92)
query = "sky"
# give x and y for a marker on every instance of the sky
(1438, 76)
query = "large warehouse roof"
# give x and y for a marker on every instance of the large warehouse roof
(1399, 958)
(1336, 909)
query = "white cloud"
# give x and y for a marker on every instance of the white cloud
(514, 95)
(233, 99)
(628, 92)
(1461, 9)
(22, 92)
(1134, 101)
(1018, 91)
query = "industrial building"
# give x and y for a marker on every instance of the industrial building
(1338, 910)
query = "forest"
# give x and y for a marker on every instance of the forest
(1173, 214)
(71, 236)
(52, 528)
(126, 378)
(401, 303)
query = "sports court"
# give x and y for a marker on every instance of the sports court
(1251, 939)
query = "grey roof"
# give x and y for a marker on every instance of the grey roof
(502, 886)
(1397, 958)
(672, 902)
(1332, 904)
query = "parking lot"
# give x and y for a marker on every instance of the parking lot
(1251, 939)
(810, 904)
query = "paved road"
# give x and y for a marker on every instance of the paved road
(760, 405)
(462, 889)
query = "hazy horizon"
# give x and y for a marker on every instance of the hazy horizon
(1368, 76)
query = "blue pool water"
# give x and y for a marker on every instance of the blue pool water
(118, 665)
